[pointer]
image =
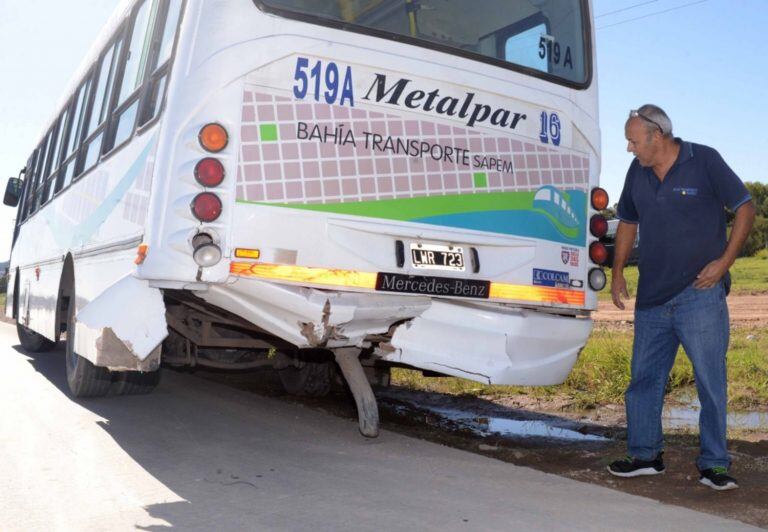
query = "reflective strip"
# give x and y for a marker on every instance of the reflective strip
(303, 274)
(540, 294)
(353, 279)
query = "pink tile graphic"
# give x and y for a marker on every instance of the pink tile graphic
(312, 170)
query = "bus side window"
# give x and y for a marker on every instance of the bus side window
(165, 33)
(23, 204)
(33, 185)
(61, 154)
(55, 156)
(133, 74)
(99, 107)
(53, 141)
(73, 141)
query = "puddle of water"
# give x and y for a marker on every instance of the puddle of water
(486, 425)
(688, 417)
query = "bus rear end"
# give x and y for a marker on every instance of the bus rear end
(409, 180)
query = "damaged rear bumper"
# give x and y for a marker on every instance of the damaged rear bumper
(493, 344)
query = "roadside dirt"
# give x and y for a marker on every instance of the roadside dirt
(421, 415)
(745, 311)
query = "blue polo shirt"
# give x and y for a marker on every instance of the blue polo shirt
(681, 219)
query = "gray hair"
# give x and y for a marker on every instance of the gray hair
(654, 116)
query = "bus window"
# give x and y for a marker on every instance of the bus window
(479, 29)
(133, 73)
(73, 141)
(169, 31)
(28, 178)
(99, 106)
(55, 157)
(33, 185)
(136, 59)
(159, 76)
(523, 48)
(49, 165)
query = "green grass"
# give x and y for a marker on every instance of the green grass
(749, 274)
(2, 300)
(601, 374)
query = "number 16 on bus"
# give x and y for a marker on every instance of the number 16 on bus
(550, 128)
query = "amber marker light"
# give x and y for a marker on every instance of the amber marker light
(599, 199)
(213, 137)
(141, 254)
(245, 253)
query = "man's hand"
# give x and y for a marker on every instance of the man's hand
(711, 274)
(618, 289)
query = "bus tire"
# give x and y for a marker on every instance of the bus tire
(84, 379)
(313, 379)
(32, 341)
(136, 382)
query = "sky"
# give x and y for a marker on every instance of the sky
(704, 61)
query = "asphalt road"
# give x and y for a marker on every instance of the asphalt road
(200, 456)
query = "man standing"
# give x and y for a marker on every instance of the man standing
(677, 192)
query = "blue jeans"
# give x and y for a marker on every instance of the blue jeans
(697, 319)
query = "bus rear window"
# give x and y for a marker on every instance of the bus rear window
(542, 36)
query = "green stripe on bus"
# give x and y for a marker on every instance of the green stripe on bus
(411, 208)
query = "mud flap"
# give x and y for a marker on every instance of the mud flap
(122, 328)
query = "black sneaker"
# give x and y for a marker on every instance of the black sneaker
(718, 479)
(632, 467)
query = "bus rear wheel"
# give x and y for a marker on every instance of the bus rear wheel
(312, 379)
(32, 341)
(84, 379)
(136, 382)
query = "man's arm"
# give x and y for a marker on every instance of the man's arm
(625, 239)
(714, 271)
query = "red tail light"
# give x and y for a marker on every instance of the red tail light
(206, 206)
(598, 225)
(598, 253)
(209, 172)
(599, 199)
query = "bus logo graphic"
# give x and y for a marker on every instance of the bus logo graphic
(551, 278)
(555, 205)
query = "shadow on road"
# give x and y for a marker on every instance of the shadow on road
(226, 453)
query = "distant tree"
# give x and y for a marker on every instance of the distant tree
(759, 192)
(609, 212)
(758, 237)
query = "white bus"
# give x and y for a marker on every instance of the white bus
(301, 183)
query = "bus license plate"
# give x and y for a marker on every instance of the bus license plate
(436, 257)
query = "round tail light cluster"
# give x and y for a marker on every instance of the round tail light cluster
(598, 253)
(213, 137)
(206, 206)
(597, 279)
(209, 172)
(598, 225)
(599, 199)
